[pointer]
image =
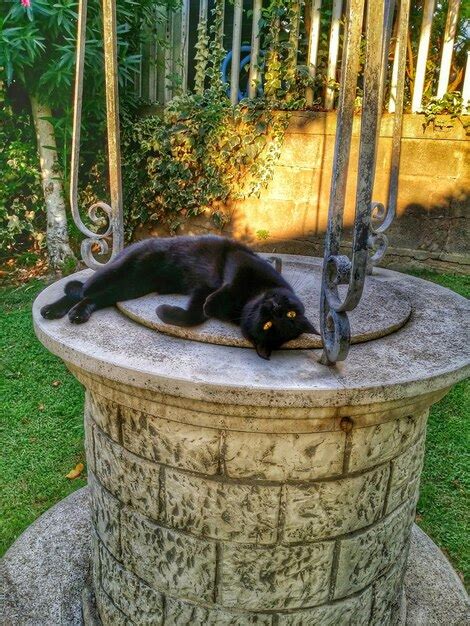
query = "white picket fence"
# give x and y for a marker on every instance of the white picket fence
(165, 68)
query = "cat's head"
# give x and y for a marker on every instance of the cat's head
(272, 319)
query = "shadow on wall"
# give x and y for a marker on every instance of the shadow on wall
(433, 210)
(422, 235)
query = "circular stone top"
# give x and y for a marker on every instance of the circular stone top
(382, 310)
(428, 354)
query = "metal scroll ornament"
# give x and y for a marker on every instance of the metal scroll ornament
(96, 241)
(371, 218)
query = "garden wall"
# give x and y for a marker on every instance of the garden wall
(433, 215)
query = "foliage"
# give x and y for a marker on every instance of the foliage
(201, 151)
(201, 56)
(450, 105)
(176, 173)
(38, 44)
(37, 52)
(283, 34)
(22, 219)
(37, 57)
(196, 156)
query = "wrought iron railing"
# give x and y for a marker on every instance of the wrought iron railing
(96, 240)
(339, 269)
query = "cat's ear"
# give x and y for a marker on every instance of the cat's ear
(263, 351)
(306, 326)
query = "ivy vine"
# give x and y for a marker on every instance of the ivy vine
(445, 110)
(201, 152)
(198, 155)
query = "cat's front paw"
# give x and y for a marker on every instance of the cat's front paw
(176, 316)
(52, 312)
(208, 307)
(80, 313)
(219, 303)
(167, 313)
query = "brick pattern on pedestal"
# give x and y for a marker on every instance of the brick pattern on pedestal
(277, 577)
(199, 525)
(284, 456)
(211, 508)
(328, 509)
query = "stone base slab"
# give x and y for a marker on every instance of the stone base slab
(45, 573)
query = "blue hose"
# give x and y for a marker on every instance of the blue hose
(244, 61)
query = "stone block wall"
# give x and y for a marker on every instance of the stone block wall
(204, 514)
(432, 227)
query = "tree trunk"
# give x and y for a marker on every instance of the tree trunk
(57, 234)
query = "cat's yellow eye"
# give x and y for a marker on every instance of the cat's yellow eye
(267, 326)
(291, 314)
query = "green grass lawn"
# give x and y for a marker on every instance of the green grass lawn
(42, 434)
(41, 428)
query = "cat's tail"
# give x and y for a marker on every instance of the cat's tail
(59, 308)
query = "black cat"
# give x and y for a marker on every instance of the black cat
(224, 279)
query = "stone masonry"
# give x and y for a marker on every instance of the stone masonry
(432, 225)
(231, 490)
(201, 525)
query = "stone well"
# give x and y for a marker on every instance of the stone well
(231, 490)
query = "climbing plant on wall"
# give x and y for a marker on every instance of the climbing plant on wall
(283, 35)
(196, 157)
(200, 152)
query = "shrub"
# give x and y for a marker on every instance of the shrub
(22, 215)
(196, 156)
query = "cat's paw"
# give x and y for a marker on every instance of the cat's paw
(213, 304)
(80, 313)
(208, 307)
(219, 303)
(169, 314)
(52, 312)
(78, 317)
(178, 316)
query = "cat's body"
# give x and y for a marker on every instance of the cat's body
(224, 279)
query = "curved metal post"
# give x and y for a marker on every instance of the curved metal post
(113, 212)
(339, 269)
(382, 217)
(335, 328)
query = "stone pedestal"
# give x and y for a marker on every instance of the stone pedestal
(230, 490)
